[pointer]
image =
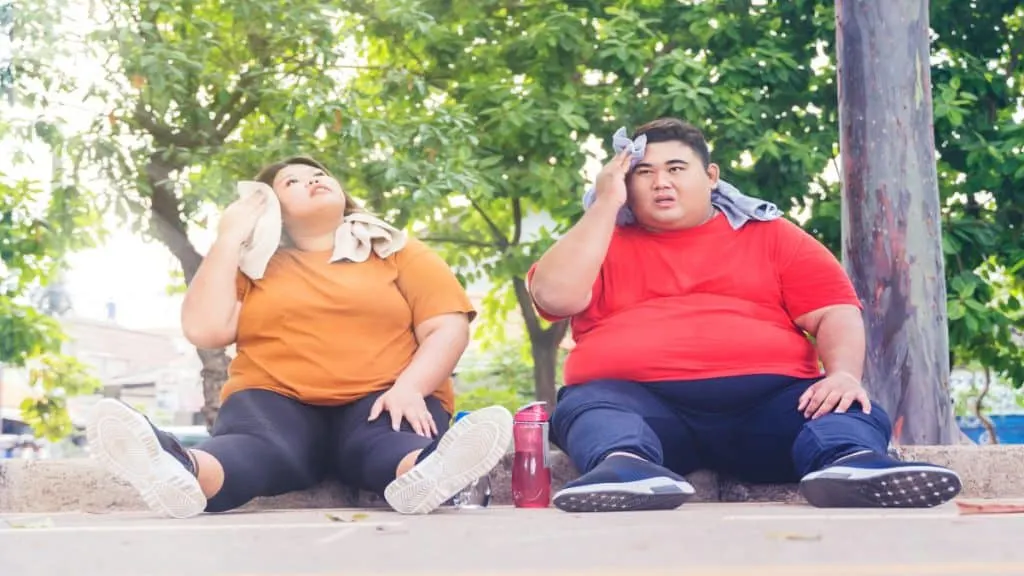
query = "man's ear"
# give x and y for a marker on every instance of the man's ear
(713, 174)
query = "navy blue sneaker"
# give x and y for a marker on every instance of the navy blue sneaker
(870, 480)
(623, 483)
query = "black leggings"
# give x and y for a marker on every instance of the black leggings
(269, 444)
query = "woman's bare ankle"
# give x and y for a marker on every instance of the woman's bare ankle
(407, 463)
(209, 472)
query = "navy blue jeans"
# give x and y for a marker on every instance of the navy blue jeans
(747, 426)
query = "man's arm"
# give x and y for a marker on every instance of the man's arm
(839, 335)
(821, 300)
(562, 279)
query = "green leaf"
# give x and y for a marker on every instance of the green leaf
(976, 306)
(972, 323)
(955, 310)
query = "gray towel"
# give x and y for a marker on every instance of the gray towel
(737, 207)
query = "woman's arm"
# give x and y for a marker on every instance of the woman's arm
(441, 314)
(442, 341)
(209, 314)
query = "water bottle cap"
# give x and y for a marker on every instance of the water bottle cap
(460, 414)
(532, 412)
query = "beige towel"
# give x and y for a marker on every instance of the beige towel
(358, 234)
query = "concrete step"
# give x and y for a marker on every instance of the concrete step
(80, 485)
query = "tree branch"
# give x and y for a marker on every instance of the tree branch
(495, 230)
(1015, 54)
(557, 330)
(225, 129)
(667, 47)
(165, 221)
(979, 410)
(162, 135)
(460, 241)
(552, 335)
(517, 220)
(526, 307)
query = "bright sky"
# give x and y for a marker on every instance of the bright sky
(127, 270)
(140, 291)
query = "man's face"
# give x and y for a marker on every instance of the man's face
(670, 189)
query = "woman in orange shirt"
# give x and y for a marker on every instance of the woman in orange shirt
(324, 349)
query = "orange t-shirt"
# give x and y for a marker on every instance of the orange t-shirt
(331, 333)
(706, 302)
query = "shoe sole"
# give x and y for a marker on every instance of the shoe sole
(469, 450)
(651, 494)
(123, 442)
(903, 487)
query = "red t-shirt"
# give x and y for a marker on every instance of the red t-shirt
(705, 302)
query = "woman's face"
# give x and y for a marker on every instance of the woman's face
(306, 192)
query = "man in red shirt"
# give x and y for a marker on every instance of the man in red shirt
(693, 351)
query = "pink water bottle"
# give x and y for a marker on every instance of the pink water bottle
(531, 465)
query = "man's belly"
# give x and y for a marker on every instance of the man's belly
(670, 340)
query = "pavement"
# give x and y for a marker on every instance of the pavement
(713, 539)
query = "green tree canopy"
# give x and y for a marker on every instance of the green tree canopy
(474, 120)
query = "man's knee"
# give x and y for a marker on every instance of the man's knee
(856, 418)
(593, 419)
(577, 399)
(836, 434)
(598, 393)
(880, 418)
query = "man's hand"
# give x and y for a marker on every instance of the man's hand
(611, 181)
(836, 392)
(403, 402)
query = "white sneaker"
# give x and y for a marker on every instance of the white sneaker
(125, 443)
(470, 449)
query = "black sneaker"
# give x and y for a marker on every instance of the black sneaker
(127, 444)
(623, 483)
(870, 480)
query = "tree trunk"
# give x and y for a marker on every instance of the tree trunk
(167, 225)
(544, 344)
(545, 363)
(891, 224)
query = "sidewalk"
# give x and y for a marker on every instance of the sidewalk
(763, 540)
(80, 485)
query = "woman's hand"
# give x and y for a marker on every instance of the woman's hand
(403, 402)
(239, 219)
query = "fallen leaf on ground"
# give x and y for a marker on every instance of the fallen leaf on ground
(794, 537)
(31, 523)
(354, 518)
(981, 507)
(389, 529)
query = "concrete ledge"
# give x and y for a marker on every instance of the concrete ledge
(80, 485)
